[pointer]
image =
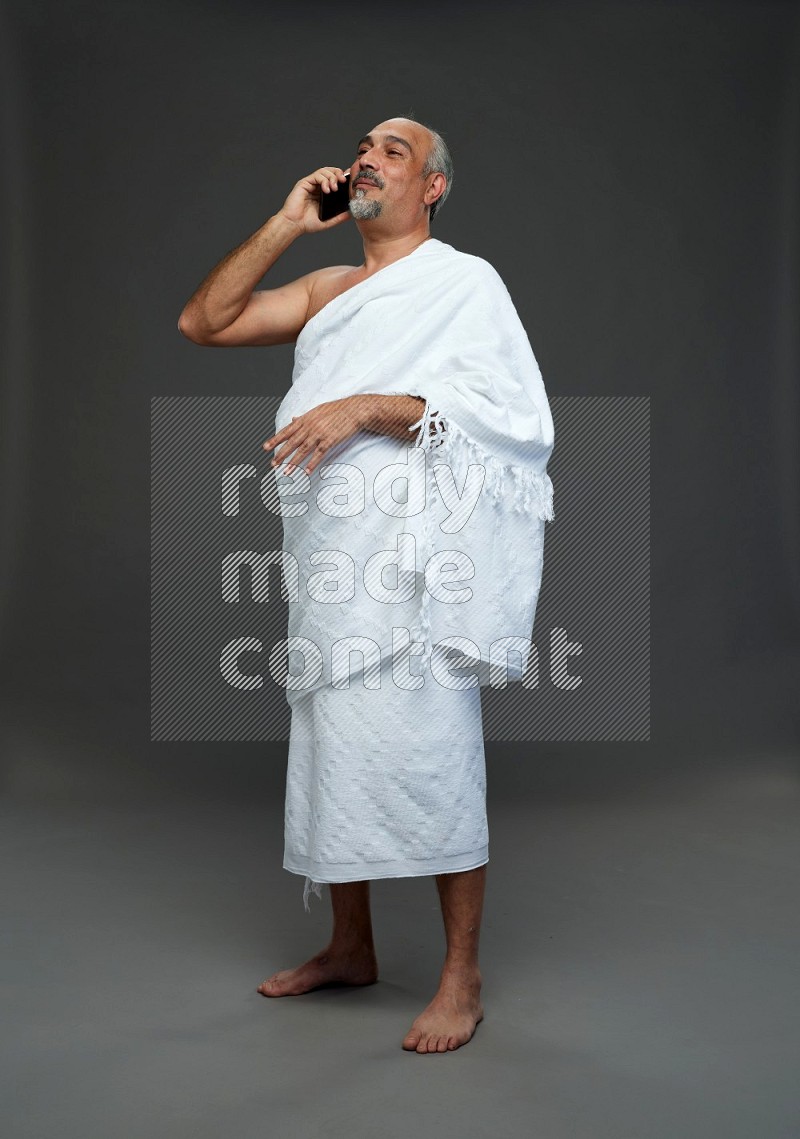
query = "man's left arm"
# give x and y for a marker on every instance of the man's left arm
(312, 434)
(391, 414)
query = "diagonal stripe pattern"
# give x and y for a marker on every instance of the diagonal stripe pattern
(595, 590)
(219, 597)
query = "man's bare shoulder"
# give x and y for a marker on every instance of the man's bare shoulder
(334, 270)
(329, 282)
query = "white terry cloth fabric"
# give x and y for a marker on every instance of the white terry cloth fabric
(385, 783)
(407, 546)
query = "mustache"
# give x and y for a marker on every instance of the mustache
(363, 177)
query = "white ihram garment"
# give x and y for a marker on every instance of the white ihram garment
(386, 776)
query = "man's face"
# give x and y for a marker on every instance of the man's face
(388, 165)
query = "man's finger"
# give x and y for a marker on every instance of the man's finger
(315, 460)
(303, 450)
(274, 440)
(284, 433)
(284, 450)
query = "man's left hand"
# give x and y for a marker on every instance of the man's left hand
(315, 432)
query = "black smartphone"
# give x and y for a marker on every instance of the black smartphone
(335, 201)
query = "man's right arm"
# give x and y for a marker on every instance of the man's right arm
(226, 312)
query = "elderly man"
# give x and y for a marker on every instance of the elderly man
(386, 776)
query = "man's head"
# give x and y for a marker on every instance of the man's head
(406, 170)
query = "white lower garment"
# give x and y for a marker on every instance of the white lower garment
(385, 783)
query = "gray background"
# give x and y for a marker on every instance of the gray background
(631, 170)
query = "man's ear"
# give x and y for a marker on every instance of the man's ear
(437, 187)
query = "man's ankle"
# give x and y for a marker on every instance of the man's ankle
(351, 945)
(461, 969)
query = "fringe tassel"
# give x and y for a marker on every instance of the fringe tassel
(307, 888)
(432, 430)
(523, 488)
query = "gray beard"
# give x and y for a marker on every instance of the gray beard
(363, 208)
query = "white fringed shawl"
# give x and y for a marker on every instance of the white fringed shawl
(439, 324)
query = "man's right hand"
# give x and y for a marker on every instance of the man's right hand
(302, 205)
(227, 310)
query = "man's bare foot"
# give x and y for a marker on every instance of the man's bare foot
(452, 1016)
(330, 967)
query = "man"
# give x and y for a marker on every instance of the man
(386, 776)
